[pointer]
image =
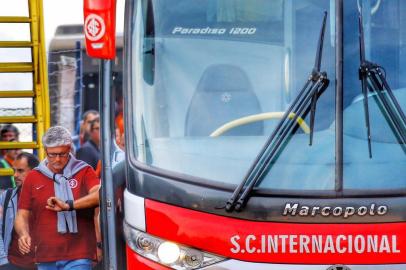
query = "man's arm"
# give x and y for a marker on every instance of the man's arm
(22, 229)
(2, 199)
(91, 200)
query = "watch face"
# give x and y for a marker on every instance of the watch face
(339, 267)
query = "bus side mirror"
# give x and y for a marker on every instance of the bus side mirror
(100, 28)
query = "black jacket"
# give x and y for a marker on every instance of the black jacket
(89, 153)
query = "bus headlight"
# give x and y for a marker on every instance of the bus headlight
(170, 254)
(145, 243)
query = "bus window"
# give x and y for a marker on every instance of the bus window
(384, 45)
(214, 62)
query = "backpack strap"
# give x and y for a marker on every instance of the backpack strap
(9, 192)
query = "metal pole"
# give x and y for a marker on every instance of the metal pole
(339, 140)
(78, 91)
(107, 204)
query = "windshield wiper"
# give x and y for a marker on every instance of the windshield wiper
(373, 78)
(304, 102)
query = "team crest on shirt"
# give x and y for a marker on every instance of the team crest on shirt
(73, 183)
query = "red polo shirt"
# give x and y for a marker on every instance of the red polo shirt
(49, 245)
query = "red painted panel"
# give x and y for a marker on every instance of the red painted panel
(135, 261)
(279, 242)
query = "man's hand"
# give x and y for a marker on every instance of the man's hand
(57, 205)
(99, 253)
(24, 244)
(22, 229)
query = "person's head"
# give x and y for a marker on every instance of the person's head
(22, 165)
(9, 132)
(57, 142)
(11, 154)
(87, 118)
(95, 131)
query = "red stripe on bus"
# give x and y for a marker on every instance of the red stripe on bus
(213, 233)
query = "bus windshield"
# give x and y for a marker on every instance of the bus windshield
(211, 79)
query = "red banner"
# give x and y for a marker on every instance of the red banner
(100, 28)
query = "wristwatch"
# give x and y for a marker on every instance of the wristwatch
(70, 203)
(99, 244)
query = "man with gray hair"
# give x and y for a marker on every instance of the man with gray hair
(62, 240)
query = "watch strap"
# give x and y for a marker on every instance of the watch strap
(70, 203)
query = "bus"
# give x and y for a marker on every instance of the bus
(259, 134)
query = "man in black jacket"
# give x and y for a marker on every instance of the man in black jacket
(90, 152)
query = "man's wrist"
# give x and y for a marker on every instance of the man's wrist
(23, 235)
(70, 205)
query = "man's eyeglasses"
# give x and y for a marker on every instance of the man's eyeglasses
(61, 155)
